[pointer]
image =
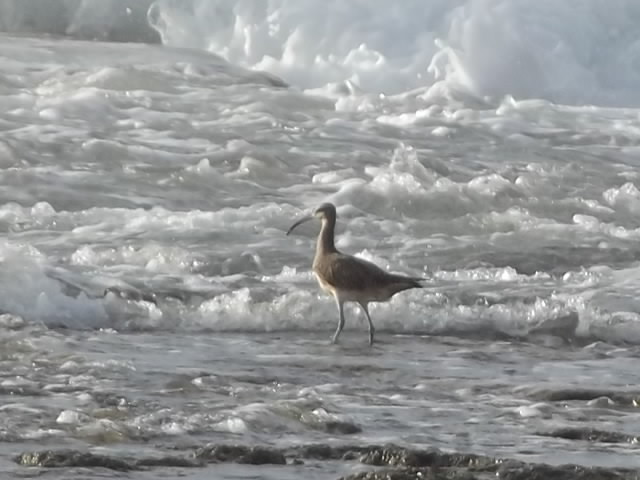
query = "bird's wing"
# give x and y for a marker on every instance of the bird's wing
(347, 272)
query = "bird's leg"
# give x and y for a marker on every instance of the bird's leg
(372, 329)
(340, 321)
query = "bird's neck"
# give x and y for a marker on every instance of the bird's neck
(326, 242)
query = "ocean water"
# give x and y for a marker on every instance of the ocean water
(153, 155)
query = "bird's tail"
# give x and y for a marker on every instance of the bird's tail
(410, 282)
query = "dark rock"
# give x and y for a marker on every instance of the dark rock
(241, 454)
(393, 455)
(569, 394)
(327, 452)
(539, 471)
(412, 474)
(70, 458)
(317, 452)
(263, 455)
(23, 390)
(398, 463)
(591, 435)
(109, 399)
(169, 462)
(350, 455)
(344, 428)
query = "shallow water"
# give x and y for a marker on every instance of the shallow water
(153, 302)
(153, 392)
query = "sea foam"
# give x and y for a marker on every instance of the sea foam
(471, 48)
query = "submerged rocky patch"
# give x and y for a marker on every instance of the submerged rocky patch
(392, 462)
(591, 435)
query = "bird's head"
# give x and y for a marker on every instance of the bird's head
(325, 212)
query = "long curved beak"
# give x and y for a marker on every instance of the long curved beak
(299, 222)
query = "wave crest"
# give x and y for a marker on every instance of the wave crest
(571, 52)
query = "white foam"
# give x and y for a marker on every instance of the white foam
(288, 299)
(71, 417)
(540, 410)
(189, 195)
(448, 48)
(232, 425)
(173, 428)
(476, 47)
(626, 198)
(43, 433)
(31, 294)
(154, 258)
(602, 402)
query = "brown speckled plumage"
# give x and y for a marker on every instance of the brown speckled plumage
(348, 278)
